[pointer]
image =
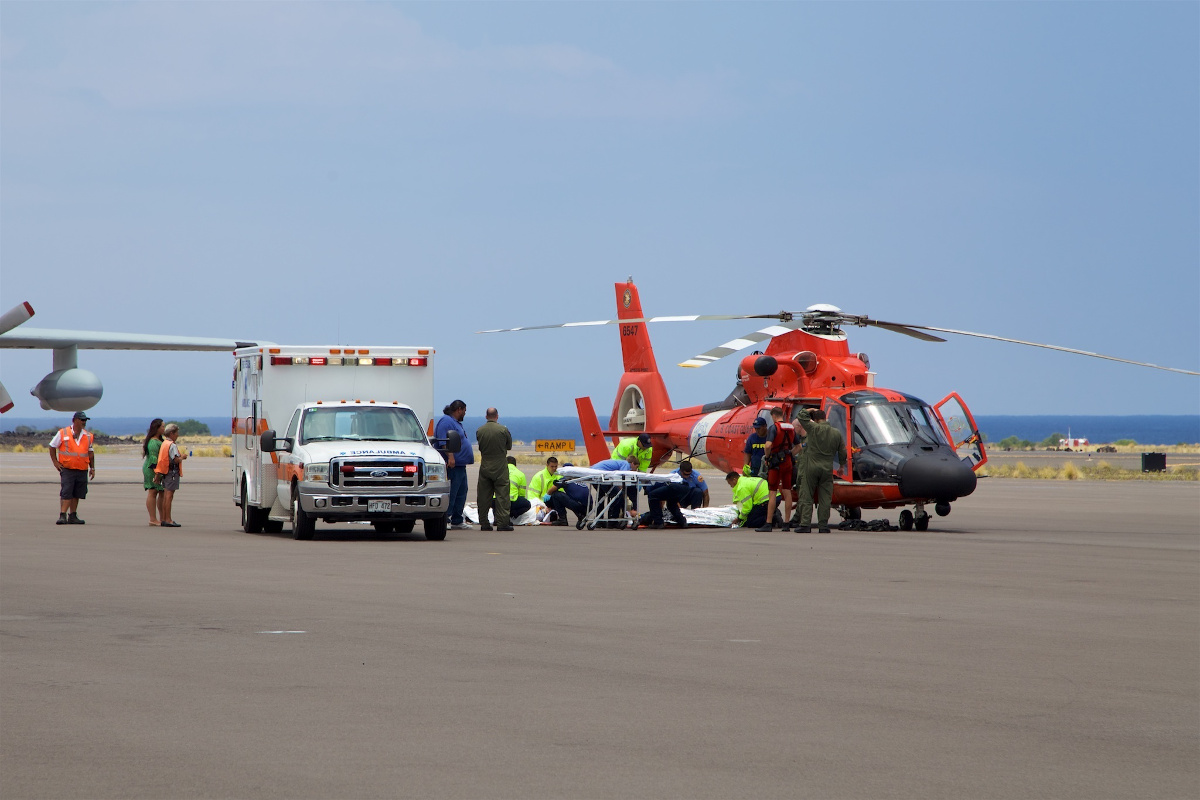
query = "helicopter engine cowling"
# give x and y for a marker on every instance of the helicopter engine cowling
(763, 366)
(72, 389)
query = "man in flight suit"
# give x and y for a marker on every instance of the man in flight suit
(822, 443)
(492, 488)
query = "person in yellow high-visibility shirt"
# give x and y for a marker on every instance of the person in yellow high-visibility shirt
(639, 447)
(518, 503)
(750, 496)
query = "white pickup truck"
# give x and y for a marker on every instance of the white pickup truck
(354, 447)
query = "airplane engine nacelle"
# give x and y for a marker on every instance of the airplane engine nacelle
(72, 389)
(760, 365)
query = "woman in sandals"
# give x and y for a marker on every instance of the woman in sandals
(168, 470)
(154, 492)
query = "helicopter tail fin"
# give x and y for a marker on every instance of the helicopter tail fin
(642, 397)
(589, 423)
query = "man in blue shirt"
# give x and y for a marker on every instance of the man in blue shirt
(570, 495)
(756, 445)
(456, 463)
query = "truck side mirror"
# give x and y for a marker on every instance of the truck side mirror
(453, 442)
(269, 443)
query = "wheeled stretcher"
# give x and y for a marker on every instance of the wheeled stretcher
(607, 494)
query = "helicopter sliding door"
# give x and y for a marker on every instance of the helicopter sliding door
(838, 415)
(960, 427)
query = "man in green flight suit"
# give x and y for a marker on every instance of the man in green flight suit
(639, 447)
(750, 496)
(822, 443)
(492, 489)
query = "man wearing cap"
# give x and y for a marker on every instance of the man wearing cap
(72, 455)
(639, 447)
(756, 446)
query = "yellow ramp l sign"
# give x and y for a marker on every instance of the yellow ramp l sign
(554, 445)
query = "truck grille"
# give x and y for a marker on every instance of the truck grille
(376, 474)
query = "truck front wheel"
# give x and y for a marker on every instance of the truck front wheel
(303, 524)
(435, 529)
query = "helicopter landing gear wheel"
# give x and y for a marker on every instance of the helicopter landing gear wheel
(922, 522)
(850, 513)
(906, 520)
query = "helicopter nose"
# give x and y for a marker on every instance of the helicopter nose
(937, 475)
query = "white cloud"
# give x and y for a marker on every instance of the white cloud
(329, 55)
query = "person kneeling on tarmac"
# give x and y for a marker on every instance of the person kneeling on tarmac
(750, 496)
(568, 495)
(518, 503)
(674, 495)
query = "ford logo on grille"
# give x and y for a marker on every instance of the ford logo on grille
(379, 473)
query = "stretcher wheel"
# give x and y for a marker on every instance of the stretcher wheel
(591, 526)
(579, 524)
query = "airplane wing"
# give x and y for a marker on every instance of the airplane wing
(50, 339)
(69, 388)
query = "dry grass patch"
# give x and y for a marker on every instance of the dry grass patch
(1100, 471)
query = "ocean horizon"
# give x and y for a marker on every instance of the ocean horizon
(1165, 429)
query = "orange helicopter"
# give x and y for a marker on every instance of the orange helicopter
(903, 451)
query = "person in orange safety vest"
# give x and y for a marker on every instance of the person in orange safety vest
(72, 455)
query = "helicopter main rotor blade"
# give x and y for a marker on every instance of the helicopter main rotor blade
(15, 316)
(684, 318)
(732, 346)
(907, 330)
(1054, 347)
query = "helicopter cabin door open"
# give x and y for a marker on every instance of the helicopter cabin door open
(960, 427)
(837, 414)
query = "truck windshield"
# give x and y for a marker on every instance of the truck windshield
(895, 423)
(374, 424)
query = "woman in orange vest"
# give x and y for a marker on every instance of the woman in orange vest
(168, 470)
(72, 455)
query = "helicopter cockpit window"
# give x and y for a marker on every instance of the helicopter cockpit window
(894, 423)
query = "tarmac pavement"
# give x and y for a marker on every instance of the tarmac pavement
(1041, 641)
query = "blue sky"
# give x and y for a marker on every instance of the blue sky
(379, 173)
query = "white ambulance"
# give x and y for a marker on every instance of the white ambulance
(337, 434)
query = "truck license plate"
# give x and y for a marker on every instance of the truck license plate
(379, 505)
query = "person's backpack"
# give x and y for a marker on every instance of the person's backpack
(777, 457)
